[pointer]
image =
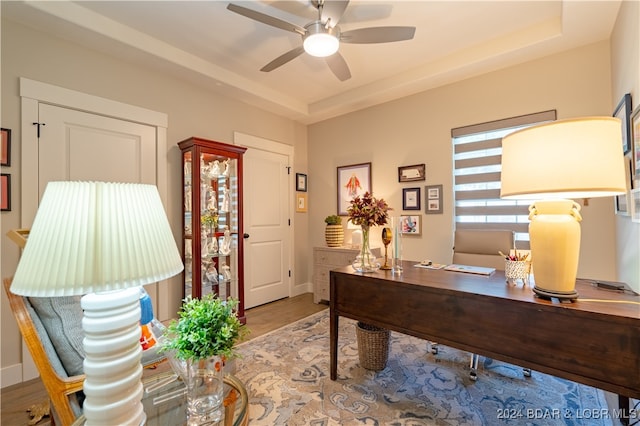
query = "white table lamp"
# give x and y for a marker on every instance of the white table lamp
(103, 241)
(558, 161)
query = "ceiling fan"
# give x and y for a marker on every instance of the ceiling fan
(322, 37)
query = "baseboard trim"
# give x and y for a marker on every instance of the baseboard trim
(10, 375)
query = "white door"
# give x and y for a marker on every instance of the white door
(267, 251)
(103, 143)
(76, 145)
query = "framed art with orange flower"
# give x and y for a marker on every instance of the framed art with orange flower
(5, 154)
(353, 180)
(5, 192)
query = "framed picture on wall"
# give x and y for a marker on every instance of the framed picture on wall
(411, 173)
(433, 204)
(353, 180)
(623, 112)
(301, 182)
(410, 224)
(301, 203)
(5, 154)
(411, 199)
(635, 150)
(5, 192)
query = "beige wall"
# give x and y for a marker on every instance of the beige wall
(408, 131)
(192, 111)
(625, 65)
(416, 130)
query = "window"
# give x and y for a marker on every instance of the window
(477, 155)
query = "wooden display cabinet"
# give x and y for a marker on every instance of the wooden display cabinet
(212, 220)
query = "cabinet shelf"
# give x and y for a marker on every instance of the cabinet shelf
(212, 182)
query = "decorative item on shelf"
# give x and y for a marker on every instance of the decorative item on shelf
(225, 271)
(210, 219)
(367, 211)
(95, 239)
(198, 343)
(334, 232)
(587, 162)
(225, 245)
(225, 168)
(214, 170)
(226, 200)
(386, 240)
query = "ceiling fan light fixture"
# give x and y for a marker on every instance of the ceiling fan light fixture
(320, 41)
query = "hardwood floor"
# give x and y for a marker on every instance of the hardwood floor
(18, 398)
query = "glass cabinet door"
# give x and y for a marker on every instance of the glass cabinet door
(212, 219)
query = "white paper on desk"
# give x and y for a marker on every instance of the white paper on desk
(481, 270)
(430, 265)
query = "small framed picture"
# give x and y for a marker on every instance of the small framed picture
(635, 146)
(301, 203)
(634, 205)
(411, 173)
(411, 199)
(5, 155)
(301, 182)
(5, 192)
(410, 224)
(433, 204)
(623, 112)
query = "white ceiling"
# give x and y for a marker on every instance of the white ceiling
(207, 44)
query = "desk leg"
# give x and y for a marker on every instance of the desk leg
(333, 344)
(623, 405)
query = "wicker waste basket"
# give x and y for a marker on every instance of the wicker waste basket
(373, 346)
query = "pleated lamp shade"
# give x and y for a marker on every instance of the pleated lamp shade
(96, 236)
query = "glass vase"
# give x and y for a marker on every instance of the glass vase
(204, 391)
(365, 260)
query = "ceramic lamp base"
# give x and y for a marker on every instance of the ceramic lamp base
(112, 365)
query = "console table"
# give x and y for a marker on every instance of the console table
(589, 342)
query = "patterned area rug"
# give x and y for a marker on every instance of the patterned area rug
(286, 373)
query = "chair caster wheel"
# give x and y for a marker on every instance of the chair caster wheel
(473, 376)
(526, 372)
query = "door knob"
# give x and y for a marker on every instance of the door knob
(246, 235)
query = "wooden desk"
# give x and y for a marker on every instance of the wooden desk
(594, 343)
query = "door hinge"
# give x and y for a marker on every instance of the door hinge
(289, 273)
(39, 125)
(288, 169)
(289, 220)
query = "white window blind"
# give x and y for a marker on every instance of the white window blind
(477, 157)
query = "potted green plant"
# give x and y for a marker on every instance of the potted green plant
(334, 233)
(199, 342)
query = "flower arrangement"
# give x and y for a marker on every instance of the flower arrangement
(205, 327)
(368, 211)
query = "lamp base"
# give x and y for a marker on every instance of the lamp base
(550, 294)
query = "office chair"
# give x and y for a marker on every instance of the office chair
(479, 247)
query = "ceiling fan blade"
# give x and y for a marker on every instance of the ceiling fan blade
(338, 66)
(378, 35)
(266, 19)
(332, 11)
(283, 59)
